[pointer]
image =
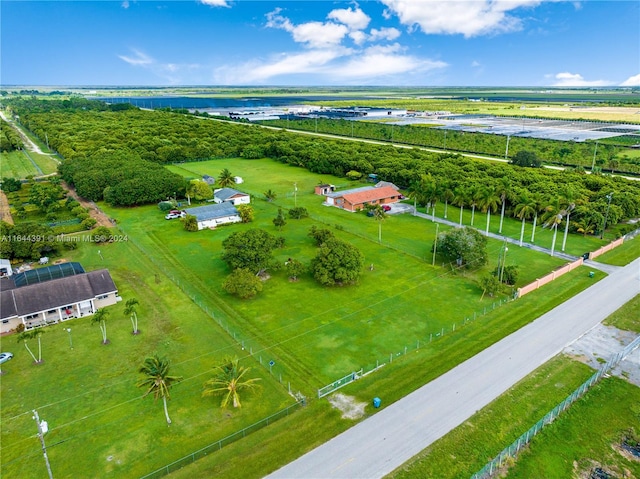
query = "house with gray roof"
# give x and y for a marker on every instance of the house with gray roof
(230, 195)
(50, 297)
(210, 216)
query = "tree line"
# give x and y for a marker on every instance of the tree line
(101, 145)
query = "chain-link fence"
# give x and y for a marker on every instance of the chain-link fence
(510, 452)
(216, 446)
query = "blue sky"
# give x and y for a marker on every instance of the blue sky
(289, 42)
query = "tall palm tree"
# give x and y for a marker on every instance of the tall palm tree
(473, 197)
(100, 318)
(446, 195)
(460, 199)
(130, 310)
(539, 203)
(552, 219)
(503, 189)
(569, 200)
(25, 336)
(225, 178)
(380, 215)
(157, 380)
(429, 190)
(524, 210)
(488, 201)
(229, 381)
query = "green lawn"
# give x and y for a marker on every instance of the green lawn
(313, 335)
(89, 396)
(623, 254)
(627, 317)
(20, 164)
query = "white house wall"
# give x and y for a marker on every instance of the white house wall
(218, 221)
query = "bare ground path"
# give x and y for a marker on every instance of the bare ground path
(5, 211)
(96, 213)
(392, 436)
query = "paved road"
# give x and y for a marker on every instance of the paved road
(389, 438)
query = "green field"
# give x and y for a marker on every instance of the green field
(313, 334)
(21, 164)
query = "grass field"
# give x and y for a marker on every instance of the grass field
(623, 254)
(21, 164)
(582, 436)
(313, 334)
(88, 394)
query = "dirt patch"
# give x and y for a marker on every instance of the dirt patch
(5, 210)
(599, 344)
(96, 213)
(350, 407)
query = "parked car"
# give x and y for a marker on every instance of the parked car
(4, 357)
(386, 207)
(174, 214)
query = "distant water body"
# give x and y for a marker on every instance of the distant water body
(220, 103)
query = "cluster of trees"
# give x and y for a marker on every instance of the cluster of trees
(9, 138)
(551, 151)
(140, 136)
(29, 241)
(121, 179)
(250, 254)
(229, 381)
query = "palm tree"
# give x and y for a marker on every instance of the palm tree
(552, 218)
(380, 215)
(100, 317)
(429, 192)
(157, 380)
(447, 195)
(569, 199)
(473, 197)
(460, 199)
(538, 204)
(524, 210)
(488, 201)
(229, 381)
(226, 178)
(504, 190)
(25, 336)
(586, 226)
(270, 195)
(130, 310)
(413, 192)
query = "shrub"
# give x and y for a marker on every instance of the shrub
(88, 223)
(298, 213)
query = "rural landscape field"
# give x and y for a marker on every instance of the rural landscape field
(394, 239)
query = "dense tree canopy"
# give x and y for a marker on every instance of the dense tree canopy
(464, 246)
(337, 263)
(251, 250)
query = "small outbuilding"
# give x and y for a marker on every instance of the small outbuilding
(210, 180)
(230, 195)
(238, 179)
(324, 189)
(210, 216)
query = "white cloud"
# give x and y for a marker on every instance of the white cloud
(576, 80)
(354, 19)
(313, 34)
(342, 64)
(476, 64)
(125, 4)
(632, 81)
(140, 58)
(467, 17)
(216, 3)
(358, 37)
(171, 72)
(384, 34)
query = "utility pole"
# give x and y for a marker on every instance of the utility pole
(295, 195)
(42, 429)
(593, 163)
